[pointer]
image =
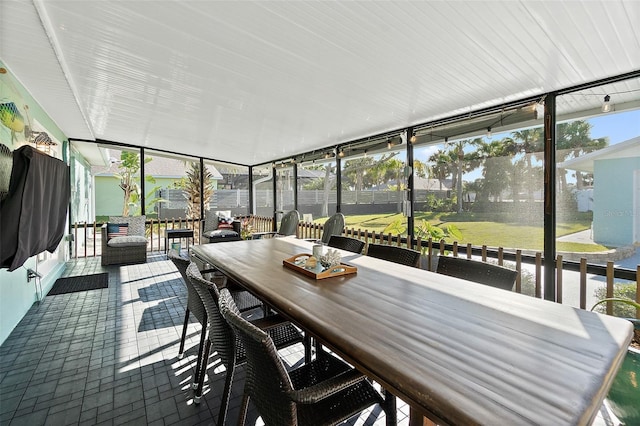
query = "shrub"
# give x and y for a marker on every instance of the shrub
(622, 291)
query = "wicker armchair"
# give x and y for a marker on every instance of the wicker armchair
(403, 256)
(325, 391)
(478, 272)
(223, 339)
(333, 226)
(346, 243)
(126, 249)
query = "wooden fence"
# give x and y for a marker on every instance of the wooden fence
(88, 235)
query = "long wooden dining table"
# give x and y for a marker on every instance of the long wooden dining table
(458, 352)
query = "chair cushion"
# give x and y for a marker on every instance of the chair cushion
(221, 235)
(127, 241)
(117, 230)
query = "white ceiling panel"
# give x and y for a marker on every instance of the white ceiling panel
(250, 82)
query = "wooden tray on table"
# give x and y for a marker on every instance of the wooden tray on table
(298, 261)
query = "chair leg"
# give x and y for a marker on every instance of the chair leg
(226, 393)
(203, 335)
(200, 375)
(390, 408)
(184, 333)
(307, 348)
(243, 408)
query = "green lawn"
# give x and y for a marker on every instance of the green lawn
(478, 229)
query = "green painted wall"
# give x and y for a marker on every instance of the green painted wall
(613, 201)
(16, 294)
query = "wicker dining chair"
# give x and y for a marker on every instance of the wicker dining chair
(479, 272)
(346, 243)
(325, 391)
(223, 339)
(245, 301)
(401, 255)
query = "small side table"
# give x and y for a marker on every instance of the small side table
(171, 234)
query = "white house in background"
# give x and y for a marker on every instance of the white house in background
(616, 191)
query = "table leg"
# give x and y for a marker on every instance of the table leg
(417, 419)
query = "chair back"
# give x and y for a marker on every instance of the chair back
(401, 255)
(220, 334)
(289, 223)
(136, 224)
(333, 226)
(210, 221)
(194, 304)
(346, 243)
(479, 272)
(267, 382)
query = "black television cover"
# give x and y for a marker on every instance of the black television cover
(33, 215)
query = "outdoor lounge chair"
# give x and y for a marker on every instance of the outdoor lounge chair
(124, 240)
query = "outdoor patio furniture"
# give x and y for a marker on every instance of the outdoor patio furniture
(324, 391)
(224, 341)
(245, 301)
(346, 243)
(288, 226)
(333, 226)
(479, 272)
(171, 234)
(126, 245)
(401, 255)
(219, 227)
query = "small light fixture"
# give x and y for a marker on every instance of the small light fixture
(538, 110)
(489, 131)
(365, 153)
(389, 144)
(413, 137)
(341, 153)
(446, 139)
(606, 105)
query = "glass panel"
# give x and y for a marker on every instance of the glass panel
(263, 190)
(598, 187)
(373, 186)
(480, 181)
(284, 190)
(317, 190)
(172, 186)
(230, 185)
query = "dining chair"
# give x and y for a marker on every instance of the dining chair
(479, 272)
(244, 299)
(401, 255)
(325, 391)
(224, 341)
(332, 226)
(346, 243)
(288, 226)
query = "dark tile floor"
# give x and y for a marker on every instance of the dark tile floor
(109, 356)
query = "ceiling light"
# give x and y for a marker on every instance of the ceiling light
(489, 131)
(538, 110)
(413, 137)
(365, 153)
(389, 144)
(341, 153)
(606, 105)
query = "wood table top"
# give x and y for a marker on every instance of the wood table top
(459, 352)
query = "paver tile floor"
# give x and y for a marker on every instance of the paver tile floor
(109, 356)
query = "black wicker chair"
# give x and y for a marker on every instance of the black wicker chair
(479, 272)
(346, 243)
(223, 339)
(401, 255)
(245, 301)
(325, 391)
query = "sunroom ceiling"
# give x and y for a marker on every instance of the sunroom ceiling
(250, 82)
